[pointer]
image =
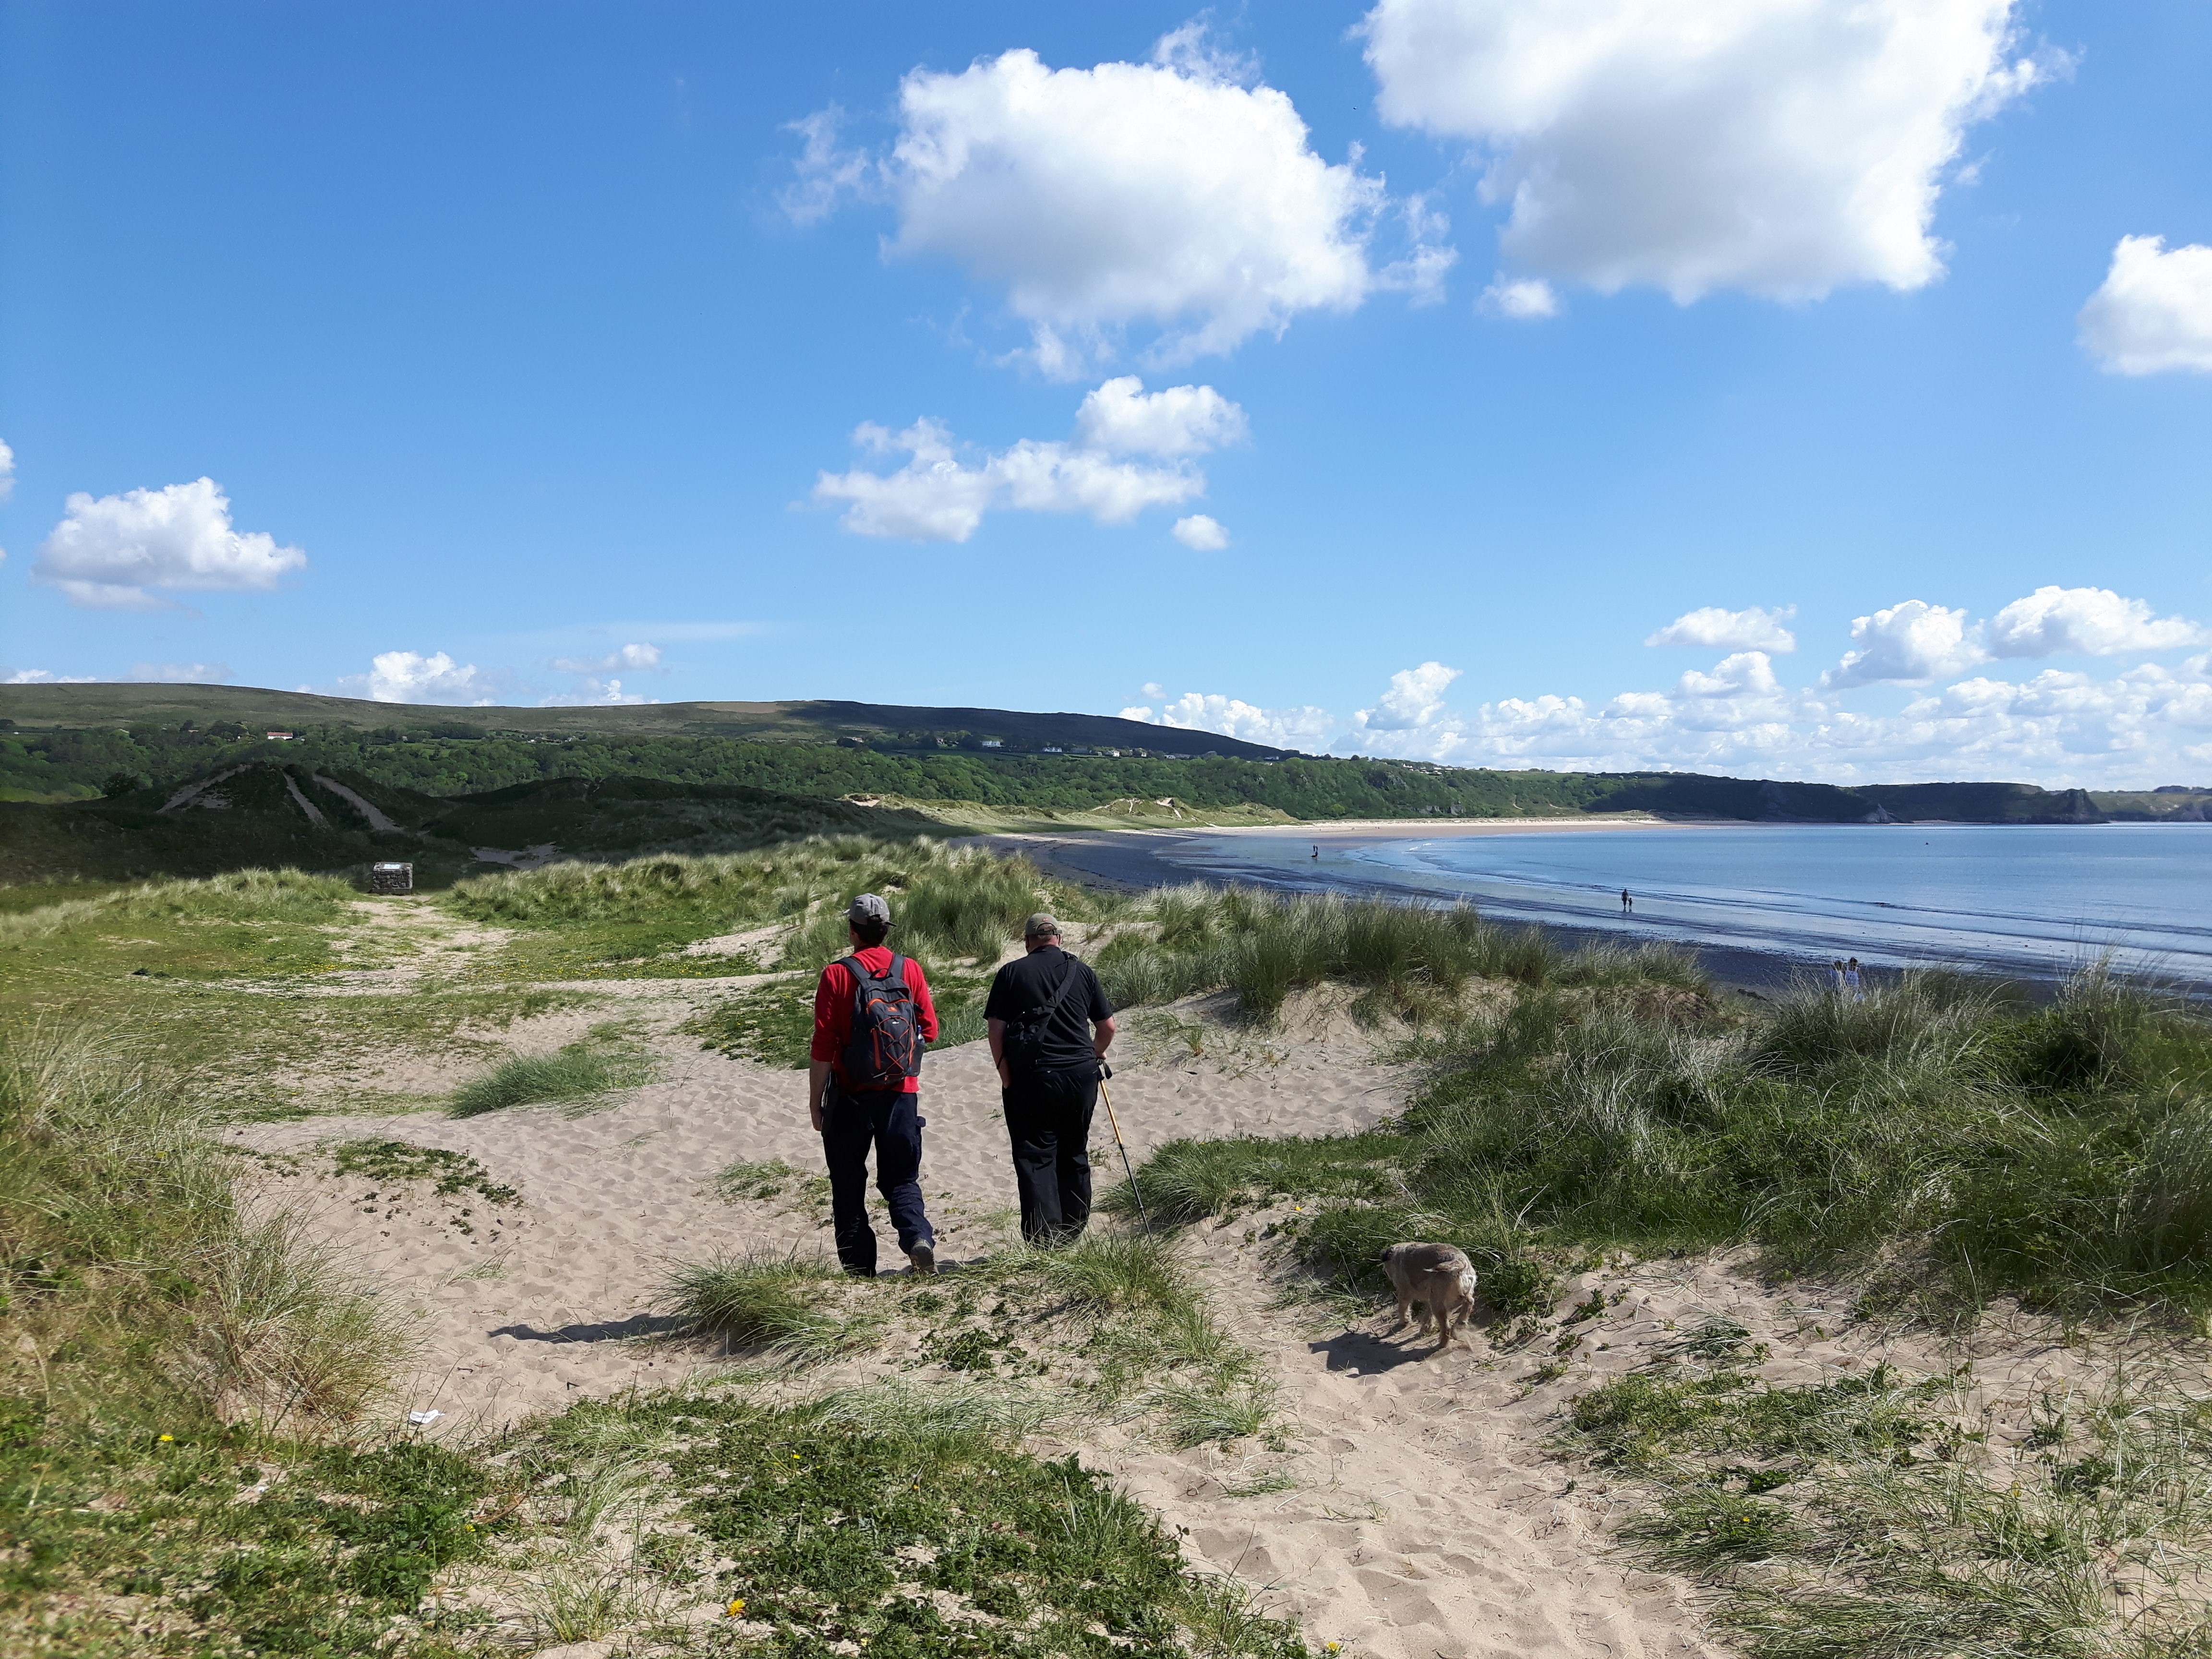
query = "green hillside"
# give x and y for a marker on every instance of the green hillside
(110, 705)
(261, 814)
(93, 797)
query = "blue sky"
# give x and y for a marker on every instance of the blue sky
(525, 347)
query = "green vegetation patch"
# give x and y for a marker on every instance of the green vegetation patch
(579, 1075)
(402, 1163)
(773, 1023)
(1877, 1516)
(1407, 960)
(842, 1534)
(221, 1541)
(1951, 1143)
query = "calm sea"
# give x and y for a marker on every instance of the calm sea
(2032, 898)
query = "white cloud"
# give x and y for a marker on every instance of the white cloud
(7, 472)
(2092, 622)
(181, 673)
(109, 552)
(1783, 147)
(594, 692)
(1415, 698)
(1912, 643)
(1525, 299)
(1712, 628)
(1171, 195)
(1280, 728)
(631, 656)
(937, 497)
(410, 677)
(47, 677)
(825, 172)
(2154, 313)
(1121, 418)
(1201, 532)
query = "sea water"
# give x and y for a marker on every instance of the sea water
(2032, 898)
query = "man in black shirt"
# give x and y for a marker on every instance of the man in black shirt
(1050, 1025)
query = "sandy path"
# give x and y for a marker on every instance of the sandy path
(520, 1311)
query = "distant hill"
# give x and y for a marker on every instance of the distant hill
(264, 813)
(34, 707)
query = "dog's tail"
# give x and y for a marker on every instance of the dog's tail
(1467, 1283)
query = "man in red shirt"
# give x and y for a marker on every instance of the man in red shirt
(864, 1086)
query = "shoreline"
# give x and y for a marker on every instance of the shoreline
(1134, 861)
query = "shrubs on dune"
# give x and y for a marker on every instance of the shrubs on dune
(127, 1265)
(1945, 1137)
(241, 896)
(575, 1075)
(1410, 959)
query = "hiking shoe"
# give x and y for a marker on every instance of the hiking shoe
(923, 1258)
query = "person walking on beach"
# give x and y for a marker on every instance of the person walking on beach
(1627, 904)
(1050, 1025)
(872, 1016)
(1853, 987)
(1836, 977)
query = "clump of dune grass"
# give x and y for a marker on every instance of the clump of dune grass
(126, 1255)
(1874, 1516)
(1408, 960)
(785, 1304)
(577, 1075)
(1940, 1134)
(251, 896)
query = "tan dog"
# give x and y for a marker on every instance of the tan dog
(1437, 1276)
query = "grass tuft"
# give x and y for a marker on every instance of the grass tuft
(577, 1075)
(763, 1301)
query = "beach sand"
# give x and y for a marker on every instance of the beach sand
(1411, 1505)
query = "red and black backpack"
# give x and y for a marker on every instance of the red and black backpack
(886, 1047)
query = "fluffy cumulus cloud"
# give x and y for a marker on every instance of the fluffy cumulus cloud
(410, 677)
(1911, 643)
(46, 677)
(593, 692)
(2154, 313)
(111, 552)
(2088, 621)
(1782, 147)
(1415, 698)
(1524, 299)
(1710, 628)
(7, 472)
(1201, 532)
(1307, 728)
(939, 496)
(1121, 418)
(2146, 724)
(1176, 195)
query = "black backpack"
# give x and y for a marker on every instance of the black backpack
(884, 1048)
(1023, 1042)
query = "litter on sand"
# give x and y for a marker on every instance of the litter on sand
(423, 1419)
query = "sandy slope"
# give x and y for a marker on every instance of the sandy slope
(1415, 1511)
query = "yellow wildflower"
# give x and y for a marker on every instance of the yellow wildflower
(168, 1436)
(736, 1608)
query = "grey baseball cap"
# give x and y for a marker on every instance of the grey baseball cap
(1040, 926)
(868, 907)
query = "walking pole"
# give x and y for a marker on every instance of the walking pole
(1107, 1095)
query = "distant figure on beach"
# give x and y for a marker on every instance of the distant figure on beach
(1851, 985)
(1627, 904)
(871, 1014)
(1316, 849)
(1836, 977)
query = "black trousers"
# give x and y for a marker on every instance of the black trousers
(1049, 1120)
(889, 1121)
